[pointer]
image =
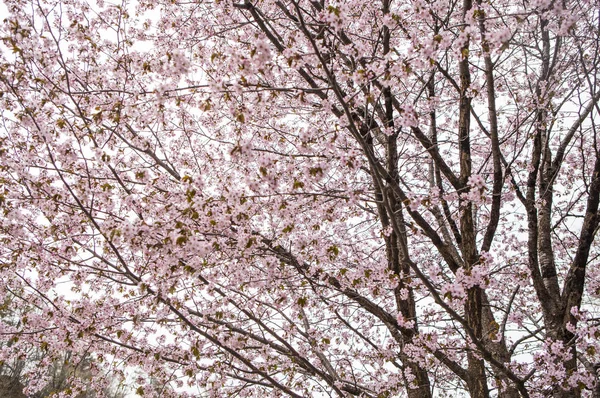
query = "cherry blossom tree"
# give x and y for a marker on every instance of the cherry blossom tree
(305, 198)
(60, 372)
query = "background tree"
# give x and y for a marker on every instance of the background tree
(307, 198)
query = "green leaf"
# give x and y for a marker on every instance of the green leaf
(315, 170)
(196, 352)
(333, 251)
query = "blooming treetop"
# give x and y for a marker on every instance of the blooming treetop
(305, 198)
